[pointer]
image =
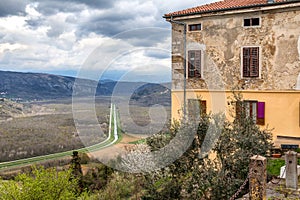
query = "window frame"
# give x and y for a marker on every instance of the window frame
(258, 62)
(188, 64)
(247, 106)
(202, 108)
(196, 25)
(252, 26)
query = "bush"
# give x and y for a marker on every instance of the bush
(192, 177)
(42, 184)
(274, 165)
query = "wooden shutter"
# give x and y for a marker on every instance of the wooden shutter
(260, 113)
(250, 61)
(202, 107)
(198, 63)
(191, 66)
(254, 62)
(193, 108)
(194, 63)
(246, 62)
(196, 107)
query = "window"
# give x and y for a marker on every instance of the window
(194, 63)
(252, 22)
(196, 108)
(250, 62)
(195, 27)
(251, 109)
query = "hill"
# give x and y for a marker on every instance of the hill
(151, 94)
(37, 86)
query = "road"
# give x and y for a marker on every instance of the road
(110, 140)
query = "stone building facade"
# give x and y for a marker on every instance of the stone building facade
(248, 46)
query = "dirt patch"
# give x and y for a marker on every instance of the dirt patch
(113, 151)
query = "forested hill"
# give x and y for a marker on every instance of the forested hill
(38, 86)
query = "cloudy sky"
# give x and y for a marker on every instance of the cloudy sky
(115, 39)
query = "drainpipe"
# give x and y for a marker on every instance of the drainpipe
(184, 63)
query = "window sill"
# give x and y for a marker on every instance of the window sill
(251, 27)
(251, 78)
(195, 78)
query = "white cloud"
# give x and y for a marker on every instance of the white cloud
(31, 10)
(11, 47)
(50, 36)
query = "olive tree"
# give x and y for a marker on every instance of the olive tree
(218, 176)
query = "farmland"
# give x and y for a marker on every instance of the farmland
(51, 128)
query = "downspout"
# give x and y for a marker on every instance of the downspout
(184, 63)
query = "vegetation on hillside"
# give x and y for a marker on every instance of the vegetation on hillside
(189, 177)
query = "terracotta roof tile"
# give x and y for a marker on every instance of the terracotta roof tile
(220, 5)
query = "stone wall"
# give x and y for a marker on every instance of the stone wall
(221, 40)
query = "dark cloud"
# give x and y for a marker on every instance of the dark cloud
(12, 7)
(49, 7)
(108, 23)
(100, 4)
(146, 37)
(106, 28)
(34, 23)
(115, 21)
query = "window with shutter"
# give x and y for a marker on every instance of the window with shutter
(260, 113)
(251, 109)
(196, 108)
(194, 63)
(250, 62)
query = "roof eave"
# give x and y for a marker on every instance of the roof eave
(230, 9)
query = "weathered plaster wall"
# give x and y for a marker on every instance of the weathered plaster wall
(222, 39)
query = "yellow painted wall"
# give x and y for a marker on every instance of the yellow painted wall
(281, 107)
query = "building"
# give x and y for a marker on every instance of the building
(250, 46)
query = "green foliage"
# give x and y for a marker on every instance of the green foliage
(42, 184)
(120, 186)
(84, 158)
(97, 177)
(218, 177)
(141, 141)
(274, 165)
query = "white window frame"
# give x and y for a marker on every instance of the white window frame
(252, 25)
(201, 65)
(188, 27)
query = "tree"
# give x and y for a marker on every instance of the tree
(194, 177)
(97, 177)
(76, 170)
(41, 184)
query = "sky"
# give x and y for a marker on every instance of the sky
(97, 39)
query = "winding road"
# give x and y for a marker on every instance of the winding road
(110, 140)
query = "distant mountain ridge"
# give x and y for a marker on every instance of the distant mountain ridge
(38, 86)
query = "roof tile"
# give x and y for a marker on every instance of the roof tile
(220, 5)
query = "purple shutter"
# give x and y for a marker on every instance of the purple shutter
(261, 113)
